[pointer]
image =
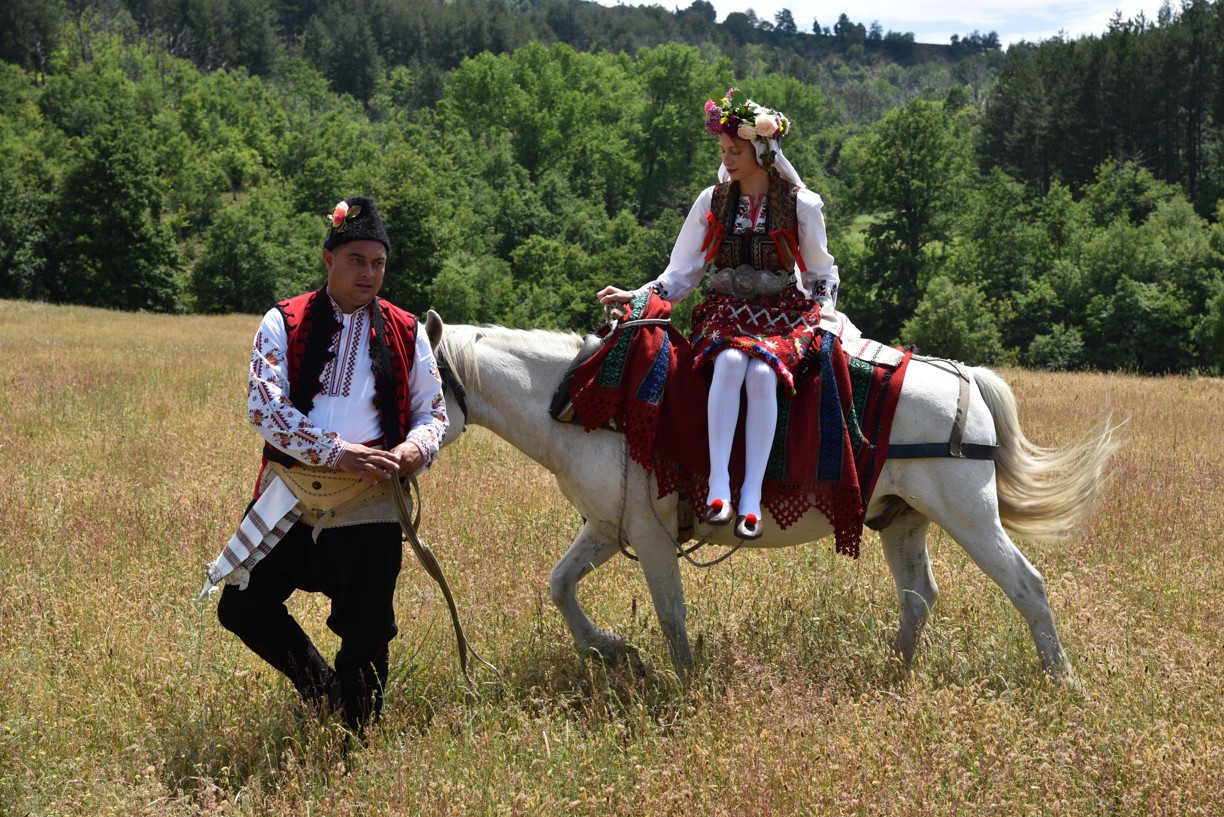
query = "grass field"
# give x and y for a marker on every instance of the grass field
(126, 462)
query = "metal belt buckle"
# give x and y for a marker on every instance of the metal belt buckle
(748, 283)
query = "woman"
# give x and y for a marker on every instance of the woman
(760, 236)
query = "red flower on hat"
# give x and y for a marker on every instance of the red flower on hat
(337, 216)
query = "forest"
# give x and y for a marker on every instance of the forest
(1056, 205)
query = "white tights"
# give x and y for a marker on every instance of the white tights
(733, 369)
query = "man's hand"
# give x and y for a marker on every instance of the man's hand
(368, 463)
(410, 457)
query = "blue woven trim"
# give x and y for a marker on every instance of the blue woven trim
(651, 390)
(829, 464)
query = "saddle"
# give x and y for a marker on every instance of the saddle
(832, 433)
(562, 407)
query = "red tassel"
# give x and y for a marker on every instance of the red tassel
(751, 520)
(714, 237)
(792, 244)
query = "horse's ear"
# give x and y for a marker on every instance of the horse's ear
(433, 328)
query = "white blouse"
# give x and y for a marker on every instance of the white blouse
(688, 264)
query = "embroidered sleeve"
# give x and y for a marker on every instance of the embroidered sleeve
(268, 405)
(687, 266)
(428, 425)
(821, 280)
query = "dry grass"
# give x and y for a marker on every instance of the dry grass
(126, 463)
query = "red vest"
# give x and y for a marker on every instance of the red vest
(311, 326)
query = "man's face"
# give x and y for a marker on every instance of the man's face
(355, 273)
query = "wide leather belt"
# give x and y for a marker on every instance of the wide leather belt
(749, 283)
(332, 499)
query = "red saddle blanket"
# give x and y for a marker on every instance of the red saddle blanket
(829, 446)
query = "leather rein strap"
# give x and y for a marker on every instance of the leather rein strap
(954, 447)
(409, 522)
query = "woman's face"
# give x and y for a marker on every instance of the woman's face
(739, 157)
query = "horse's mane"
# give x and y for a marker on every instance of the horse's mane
(458, 344)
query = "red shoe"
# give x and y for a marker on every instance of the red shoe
(749, 527)
(718, 512)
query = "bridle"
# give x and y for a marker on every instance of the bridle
(451, 381)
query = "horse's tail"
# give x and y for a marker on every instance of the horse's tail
(1044, 493)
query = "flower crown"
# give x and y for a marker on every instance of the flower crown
(737, 115)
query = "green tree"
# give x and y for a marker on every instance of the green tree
(1209, 332)
(255, 254)
(1060, 350)
(954, 320)
(676, 82)
(552, 287)
(31, 32)
(906, 172)
(28, 169)
(110, 247)
(473, 289)
(340, 43)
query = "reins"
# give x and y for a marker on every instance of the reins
(681, 551)
(410, 522)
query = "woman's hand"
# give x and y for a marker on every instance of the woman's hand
(613, 295)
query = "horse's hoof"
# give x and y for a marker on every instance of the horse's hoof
(613, 652)
(749, 527)
(718, 512)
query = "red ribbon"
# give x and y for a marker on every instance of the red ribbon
(792, 244)
(714, 237)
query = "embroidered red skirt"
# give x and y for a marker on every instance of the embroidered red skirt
(778, 329)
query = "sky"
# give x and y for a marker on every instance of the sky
(935, 21)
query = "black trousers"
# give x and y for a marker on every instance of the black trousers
(356, 567)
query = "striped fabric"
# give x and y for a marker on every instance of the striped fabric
(266, 523)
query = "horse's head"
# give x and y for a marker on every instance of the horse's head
(502, 372)
(452, 386)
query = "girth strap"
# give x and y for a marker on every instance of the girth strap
(954, 447)
(918, 451)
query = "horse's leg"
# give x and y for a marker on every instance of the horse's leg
(995, 553)
(982, 536)
(905, 549)
(589, 550)
(657, 558)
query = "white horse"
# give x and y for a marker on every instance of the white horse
(510, 376)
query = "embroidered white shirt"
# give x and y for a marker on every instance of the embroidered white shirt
(344, 411)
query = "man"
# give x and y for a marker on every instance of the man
(346, 394)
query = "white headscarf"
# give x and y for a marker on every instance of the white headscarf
(780, 163)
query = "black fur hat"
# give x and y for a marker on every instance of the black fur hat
(355, 219)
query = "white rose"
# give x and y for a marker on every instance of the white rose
(766, 126)
(746, 131)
